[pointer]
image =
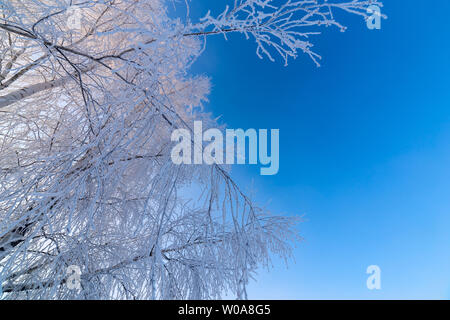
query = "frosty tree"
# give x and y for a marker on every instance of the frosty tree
(90, 92)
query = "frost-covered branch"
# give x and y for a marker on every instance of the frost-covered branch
(86, 178)
(284, 28)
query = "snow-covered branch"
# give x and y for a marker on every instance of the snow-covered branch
(285, 28)
(86, 115)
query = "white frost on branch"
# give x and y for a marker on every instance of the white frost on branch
(284, 27)
(86, 177)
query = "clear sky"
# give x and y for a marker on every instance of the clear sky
(364, 151)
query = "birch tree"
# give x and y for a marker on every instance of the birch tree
(86, 114)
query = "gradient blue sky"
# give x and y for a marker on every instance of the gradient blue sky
(364, 153)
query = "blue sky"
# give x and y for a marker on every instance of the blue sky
(364, 151)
